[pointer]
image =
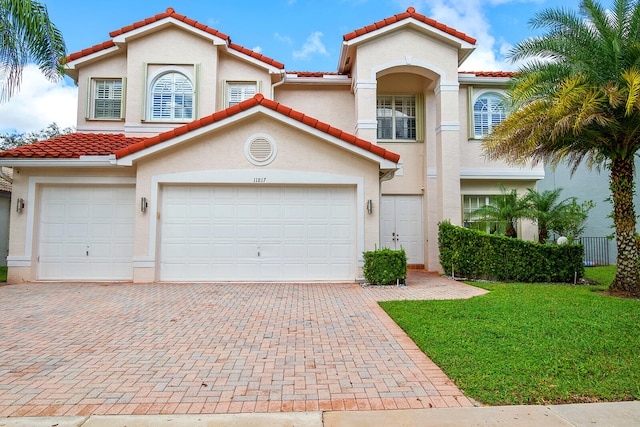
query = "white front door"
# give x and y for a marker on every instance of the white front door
(402, 226)
(86, 233)
(257, 233)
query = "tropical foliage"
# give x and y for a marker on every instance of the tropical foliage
(27, 35)
(9, 140)
(507, 209)
(577, 99)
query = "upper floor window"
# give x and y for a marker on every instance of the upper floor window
(396, 117)
(488, 111)
(172, 98)
(107, 99)
(240, 91)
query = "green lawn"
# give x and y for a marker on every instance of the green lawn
(532, 343)
(3, 274)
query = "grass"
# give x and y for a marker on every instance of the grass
(532, 343)
(3, 274)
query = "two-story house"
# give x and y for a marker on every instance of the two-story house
(200, 160)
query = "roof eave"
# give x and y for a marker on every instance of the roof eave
(465, 78)
(154, 26)
(259, 109)
(82, 161)
(464, 47)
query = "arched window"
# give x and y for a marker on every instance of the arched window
(172, 98)
(488, 111)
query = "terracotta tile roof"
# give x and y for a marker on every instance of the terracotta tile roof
(72, 146)
(315, 73)
(507, 74)
(259, 99)
(410, 13)
(171, 13)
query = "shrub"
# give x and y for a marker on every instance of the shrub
(385, 266)
(477, 255)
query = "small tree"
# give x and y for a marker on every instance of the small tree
(14, 139)
(573, 222)
(508, 209)
(548, 212)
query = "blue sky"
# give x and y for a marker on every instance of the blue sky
(304, 35)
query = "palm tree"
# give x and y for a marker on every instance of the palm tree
(507, 208)
(578, 99)
(547, 211)
(27, 34)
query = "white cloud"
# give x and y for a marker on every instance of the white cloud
(311, 46)
(38, 103)
(284, 39)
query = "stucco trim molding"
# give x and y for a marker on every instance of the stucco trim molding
(448, 127)
(501, 173)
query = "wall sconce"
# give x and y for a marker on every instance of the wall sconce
(19, 205)
(369, 206)
(143, 204)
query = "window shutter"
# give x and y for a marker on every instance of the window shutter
(420, 117)
(145, 83)
(470, 114)
(123, 100)
(87, 111)
(196, 89)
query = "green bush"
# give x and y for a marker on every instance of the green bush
(385, 266)
(476, 255)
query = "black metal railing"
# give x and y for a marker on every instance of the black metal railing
(596, 250)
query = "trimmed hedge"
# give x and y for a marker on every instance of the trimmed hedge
(477, 255)
(385, 266)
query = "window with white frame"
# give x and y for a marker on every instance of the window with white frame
(488, 111)
(107, 99)
(172, 98)
(472, 203)
(240, 91)
(396, 117)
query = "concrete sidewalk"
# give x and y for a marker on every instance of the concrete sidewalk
(621, 414)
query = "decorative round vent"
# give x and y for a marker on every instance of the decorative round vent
(260, 149)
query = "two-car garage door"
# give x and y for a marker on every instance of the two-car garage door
(257, 233)
(205, 233)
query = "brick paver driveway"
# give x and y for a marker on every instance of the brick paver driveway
(79, 349)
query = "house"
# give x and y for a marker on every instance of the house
(196, 159)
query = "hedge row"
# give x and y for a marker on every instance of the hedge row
(476, 255)
(385, 266)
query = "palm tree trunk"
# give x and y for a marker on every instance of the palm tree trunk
(624, 220)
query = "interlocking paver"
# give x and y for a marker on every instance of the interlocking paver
(162, 348)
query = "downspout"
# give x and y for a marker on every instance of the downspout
(274, 85)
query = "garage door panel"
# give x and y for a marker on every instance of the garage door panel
(261, 233)
(86, 233)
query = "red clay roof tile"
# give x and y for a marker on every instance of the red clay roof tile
(75, 145)
(171, 13)
(410, 13)
(505, 74)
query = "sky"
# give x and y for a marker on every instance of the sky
(305, 35)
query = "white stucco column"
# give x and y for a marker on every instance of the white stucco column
(443, 172)
(365, 96)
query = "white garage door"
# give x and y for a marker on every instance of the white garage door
(266, 233)
(86, 233)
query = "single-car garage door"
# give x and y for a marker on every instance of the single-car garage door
(86, 233)
(257, 233)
